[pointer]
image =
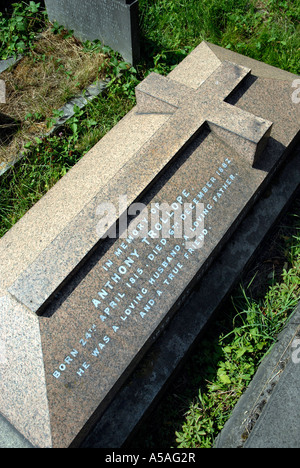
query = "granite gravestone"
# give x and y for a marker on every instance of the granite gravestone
(80, 310)
(114, 22)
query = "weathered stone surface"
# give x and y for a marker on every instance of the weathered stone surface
(114, 22)
(94, 307)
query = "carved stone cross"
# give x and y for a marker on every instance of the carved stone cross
(191, 109)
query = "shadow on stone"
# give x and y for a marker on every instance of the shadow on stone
(8, 128)
(234, 97)
(267, 159)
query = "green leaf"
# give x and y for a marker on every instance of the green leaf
(260, 345)
(34, 7)
(123, 65)
(21, 46)
(225, 379)
(74, 127)
(241, 351)
(91, 122)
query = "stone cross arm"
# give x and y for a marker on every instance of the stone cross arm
(189, 109)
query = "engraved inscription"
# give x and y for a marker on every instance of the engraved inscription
(144, 268)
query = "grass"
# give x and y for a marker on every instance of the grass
(218, 372)
(51, 158)
(57, 68)
(265, 30)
